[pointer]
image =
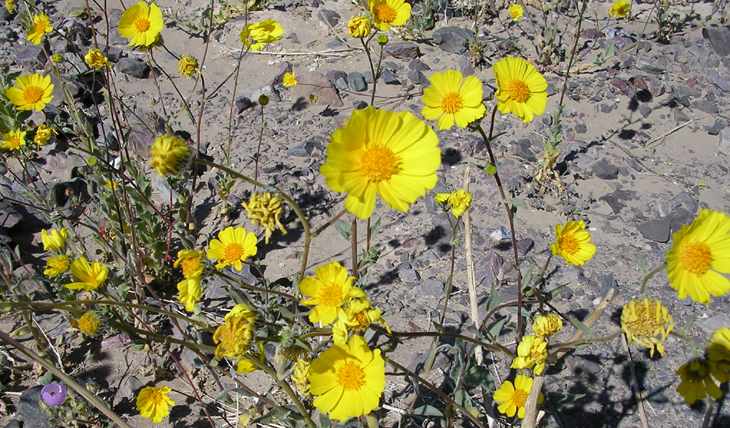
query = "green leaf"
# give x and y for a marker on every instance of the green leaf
(375, 229)
(345, 228)
(515, 202)
(494, 299)
(427, 410)
(479, 376)
(554, 401)
(495, 327)
(582, 327)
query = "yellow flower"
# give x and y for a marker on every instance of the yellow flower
(516, 11)
(442, 198)
(718, 352)
(111, 185)
(573, 243)
(389, 12)
(452, 98)
(329, 290)
(41, 26)
(190, 292)
(187, 66)
(514, 397)
(43, 135)
(547, 324)
(153, 403)
(261, 33)
(90, 276)
(290, 79)
(264, 209)
(620, 9)
(520, 88)
(300, 376)
(245, 365)
(357, 317)
(141, 24)
(700, 253)
(531, 352)
(647, 322)
(169, 155)
(359, 27)
(56, 265)
(460, 201)
(697, 382)
(96, 59)
(10, 6)
(89, 323)
(348, 380)
(32, 92)
(54, 240)
(190, 262)
(234, 336)
(232, 247)
(381, 152)
(13, 140)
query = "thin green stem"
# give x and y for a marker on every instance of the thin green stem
(648, 276)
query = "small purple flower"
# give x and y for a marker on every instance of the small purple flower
(54, 394)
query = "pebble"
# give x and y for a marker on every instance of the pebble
(356, 82)
(704, 106)
(30, 410)
(242, 103)
(329, 17)
(605, 170)
(714, 322)
(389, 78)
(133, 67)
(724, 143)
(403, 50)
(453, 39)
(649, 67)
(302, 150)
(719, 39)
(429, 290)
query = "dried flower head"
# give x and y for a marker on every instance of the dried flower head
(300, 376)
(356, 317)
(647, 322)
(359, 27)
(697, 382)
(169, 155)
(234, 336)
(96, 59)
(264, 209)
(188, 66)
(89, 323)
(547, 324)
(43, 135)
(190, 292)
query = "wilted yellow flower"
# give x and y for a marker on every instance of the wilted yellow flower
(245, 365)
(261, 33)
(90, 276)
(442, 198)
(699, 255)
(141, 24)
(697, 381)
(187, 66)
(389, 12)
(169, 155)
(380, 152)
(521, 89)
(329, 291)
(356, 317)
(290, 79)
(513, 397)
(573, 243)
(54, 240)
(516, 11)
(460, 201)
(647, 322)
(232, 248)
(41, 26)
(451, 98)
(531, 353)
(547, 324)
(719, 346)
(43, 135)
(264, 209)
(359, 27)
(300, 376)
(56, 265)
(10, 6)
(189, 260)
(111, 185)
(96, 59)
(234, 336)
(620, 9)
(13, 140)
(32, 92)
(89, 323)
(190, 292)
(348, 380)
(154, 404)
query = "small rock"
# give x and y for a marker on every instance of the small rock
(242, 103)
(580, 128)
(500, 234)
(453, 39)
(329, 17)
(719, 39)
(389, 78)
(649, 67)
(335, 75)
(605, 170)
(269, 91)
(131, 387)
(489, 270)
(680, 116)
(430, 289)
(30, 56)
(524, 150)
(302, 150)
(409, 275)
(418, 78)
(705, 106)
(356, 82)
(403, 50)
(655, 230)
(30, 410)
(465, 66)
(133, 67)
(616, 199)
(716, 128)
(418, 65)
(359, 104)
(724, 144)
(720, 82)
(645, 110)
(714, 322)
(524, 246)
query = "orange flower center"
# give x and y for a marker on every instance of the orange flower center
(363, 320)
(351, 376)
(568, 244)
(331, 295)
(141, 24)
(14, 142)
(156, 397)
(452, 103)
(40, 26)
(378, 163)
(190, 266)
(233, 252)
(32, 94)
(696, 258)
(385, 13)
(519, 397)
(518, 91)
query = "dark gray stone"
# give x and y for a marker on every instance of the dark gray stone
(242, 103)
(580, 128)
(13, 423)
(418, 78)
(714, 322)
(678, 218)
(687, 201)
(418, 65)
(524, 246)
(302, 149)
(616, 199)
(649, 67)
(453, 39)
(655, 230)
(605, 170)
(359, 104)
(113, 53)
(9, 215)
(30, 410)
(488, 92)
(724, 144)
(716, 128)
(409, 275)
(329, 17)
(389, 78)
(524, 150)
(403, 50)
(705, 106)
(356, 82)
(30, 56)
(645, 110)
(269, 91)
(368, 77)
(465, 66)
(429, 290)
(680, 116)
(133, 67)
(489, 270)
(720, 82)
(719, 39)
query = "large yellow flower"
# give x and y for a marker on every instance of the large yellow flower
(513, 397)
(32, 93)
(521, 89)
(56, 265)
(620, 9)
(531, 353)
(90, 276)
(697, 381)
(41, 26)
(348, 380)
(13, 140)
(154, 404)
(141, 24)
(452, 98)
(699, 252)
(329, 291)
(647, 322)
(232, 247)
(389, 12)
(169, 155)
(54, 240)
(573, 243)
(235, 335)
(381, 152)
(261, 33)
